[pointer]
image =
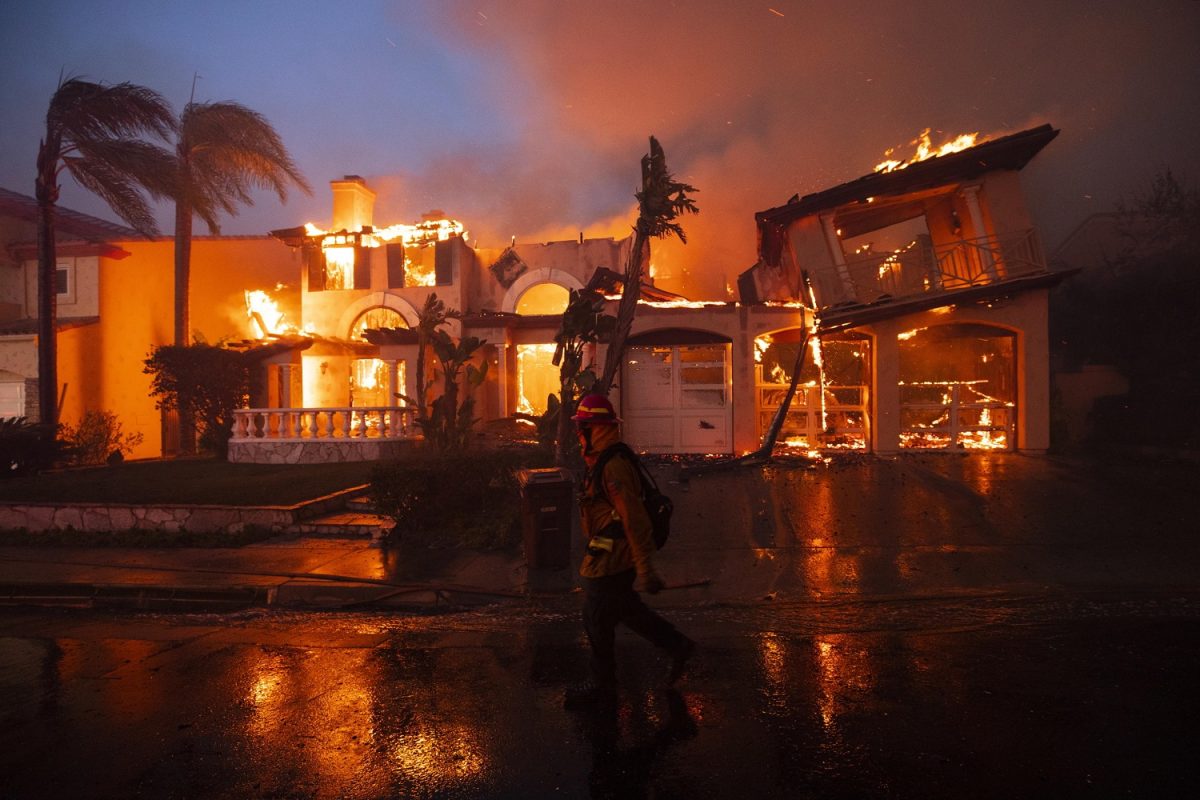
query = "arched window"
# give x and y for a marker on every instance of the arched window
(543, 298)
(375, 318)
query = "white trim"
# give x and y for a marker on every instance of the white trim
(530, 279)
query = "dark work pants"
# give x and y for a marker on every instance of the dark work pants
(610, 600)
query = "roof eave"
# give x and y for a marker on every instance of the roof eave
(1011, 152)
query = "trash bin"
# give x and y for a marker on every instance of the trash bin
(546, 515)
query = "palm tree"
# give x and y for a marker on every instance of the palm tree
(661, 200)
(94, 131)
(224, 151)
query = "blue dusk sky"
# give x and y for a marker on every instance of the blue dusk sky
(528, 117)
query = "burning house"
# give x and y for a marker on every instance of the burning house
(929, 287)
(350, 370)
(919, 293)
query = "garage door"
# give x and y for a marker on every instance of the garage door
(676, 398)
(12, 399)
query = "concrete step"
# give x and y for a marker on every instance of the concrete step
(361, 505)
(348, 524)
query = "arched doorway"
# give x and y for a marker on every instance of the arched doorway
(537, 376)
(831, 405)
(369, 378)
(958, 387)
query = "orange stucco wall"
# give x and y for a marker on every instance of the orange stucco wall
(101, 364)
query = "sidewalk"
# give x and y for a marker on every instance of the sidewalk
(286, 572)
(855, 530)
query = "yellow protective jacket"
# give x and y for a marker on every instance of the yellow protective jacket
(623, 505)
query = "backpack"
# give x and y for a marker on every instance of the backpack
(658, 506)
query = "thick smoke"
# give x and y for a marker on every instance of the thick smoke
(756, 103)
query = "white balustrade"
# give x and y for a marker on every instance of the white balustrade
(301, 424)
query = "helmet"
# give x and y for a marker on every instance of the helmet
(595, 409)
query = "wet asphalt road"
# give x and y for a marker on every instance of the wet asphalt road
(1054, 694)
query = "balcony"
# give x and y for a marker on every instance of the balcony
(923, 269)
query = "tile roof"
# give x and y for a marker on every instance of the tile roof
(69, 224)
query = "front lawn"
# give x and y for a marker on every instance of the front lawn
(191, 482)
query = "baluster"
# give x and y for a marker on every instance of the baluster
(347, 419)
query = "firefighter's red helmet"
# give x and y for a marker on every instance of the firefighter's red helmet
(595, 409)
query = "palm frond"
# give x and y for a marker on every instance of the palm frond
(226, 151)
(662, 198)
(120, 173)
(81, 111)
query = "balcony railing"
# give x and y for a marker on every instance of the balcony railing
(302, 424)
(923, 268)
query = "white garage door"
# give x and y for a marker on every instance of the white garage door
(676, 399)
(12, 399)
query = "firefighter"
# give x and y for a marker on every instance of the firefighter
(620, 550)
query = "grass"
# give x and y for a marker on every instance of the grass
(191, 482)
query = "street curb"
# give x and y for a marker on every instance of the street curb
(136, 596)
(299, 595)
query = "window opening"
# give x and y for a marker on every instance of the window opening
(339, 267)
(543, 298)
(375, 319)
(537, 377)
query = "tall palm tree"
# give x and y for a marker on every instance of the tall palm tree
(223, 152)
(661, 200)
(94, 131)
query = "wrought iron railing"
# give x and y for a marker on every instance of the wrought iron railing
(924, 268)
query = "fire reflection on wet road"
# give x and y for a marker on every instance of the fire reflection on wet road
(997, 695)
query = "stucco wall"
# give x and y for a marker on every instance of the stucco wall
(102, 364)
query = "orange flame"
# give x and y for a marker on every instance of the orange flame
(925, 150)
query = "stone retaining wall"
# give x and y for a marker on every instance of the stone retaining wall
(102, 517)
(314, 451)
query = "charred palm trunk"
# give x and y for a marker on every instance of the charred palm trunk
(772, 434)
(47, 343)
(631, 292)
(422, 346)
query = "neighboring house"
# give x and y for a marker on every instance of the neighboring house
(115, 303)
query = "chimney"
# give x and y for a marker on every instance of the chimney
(353, 204)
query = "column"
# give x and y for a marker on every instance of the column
(970, 194)
(839, 258)
(885, 421)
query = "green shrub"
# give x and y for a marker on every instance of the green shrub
(453, 499)
(99, 439)
(203, 382)
(27, 448)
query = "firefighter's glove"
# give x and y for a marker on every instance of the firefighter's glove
(652, 584)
